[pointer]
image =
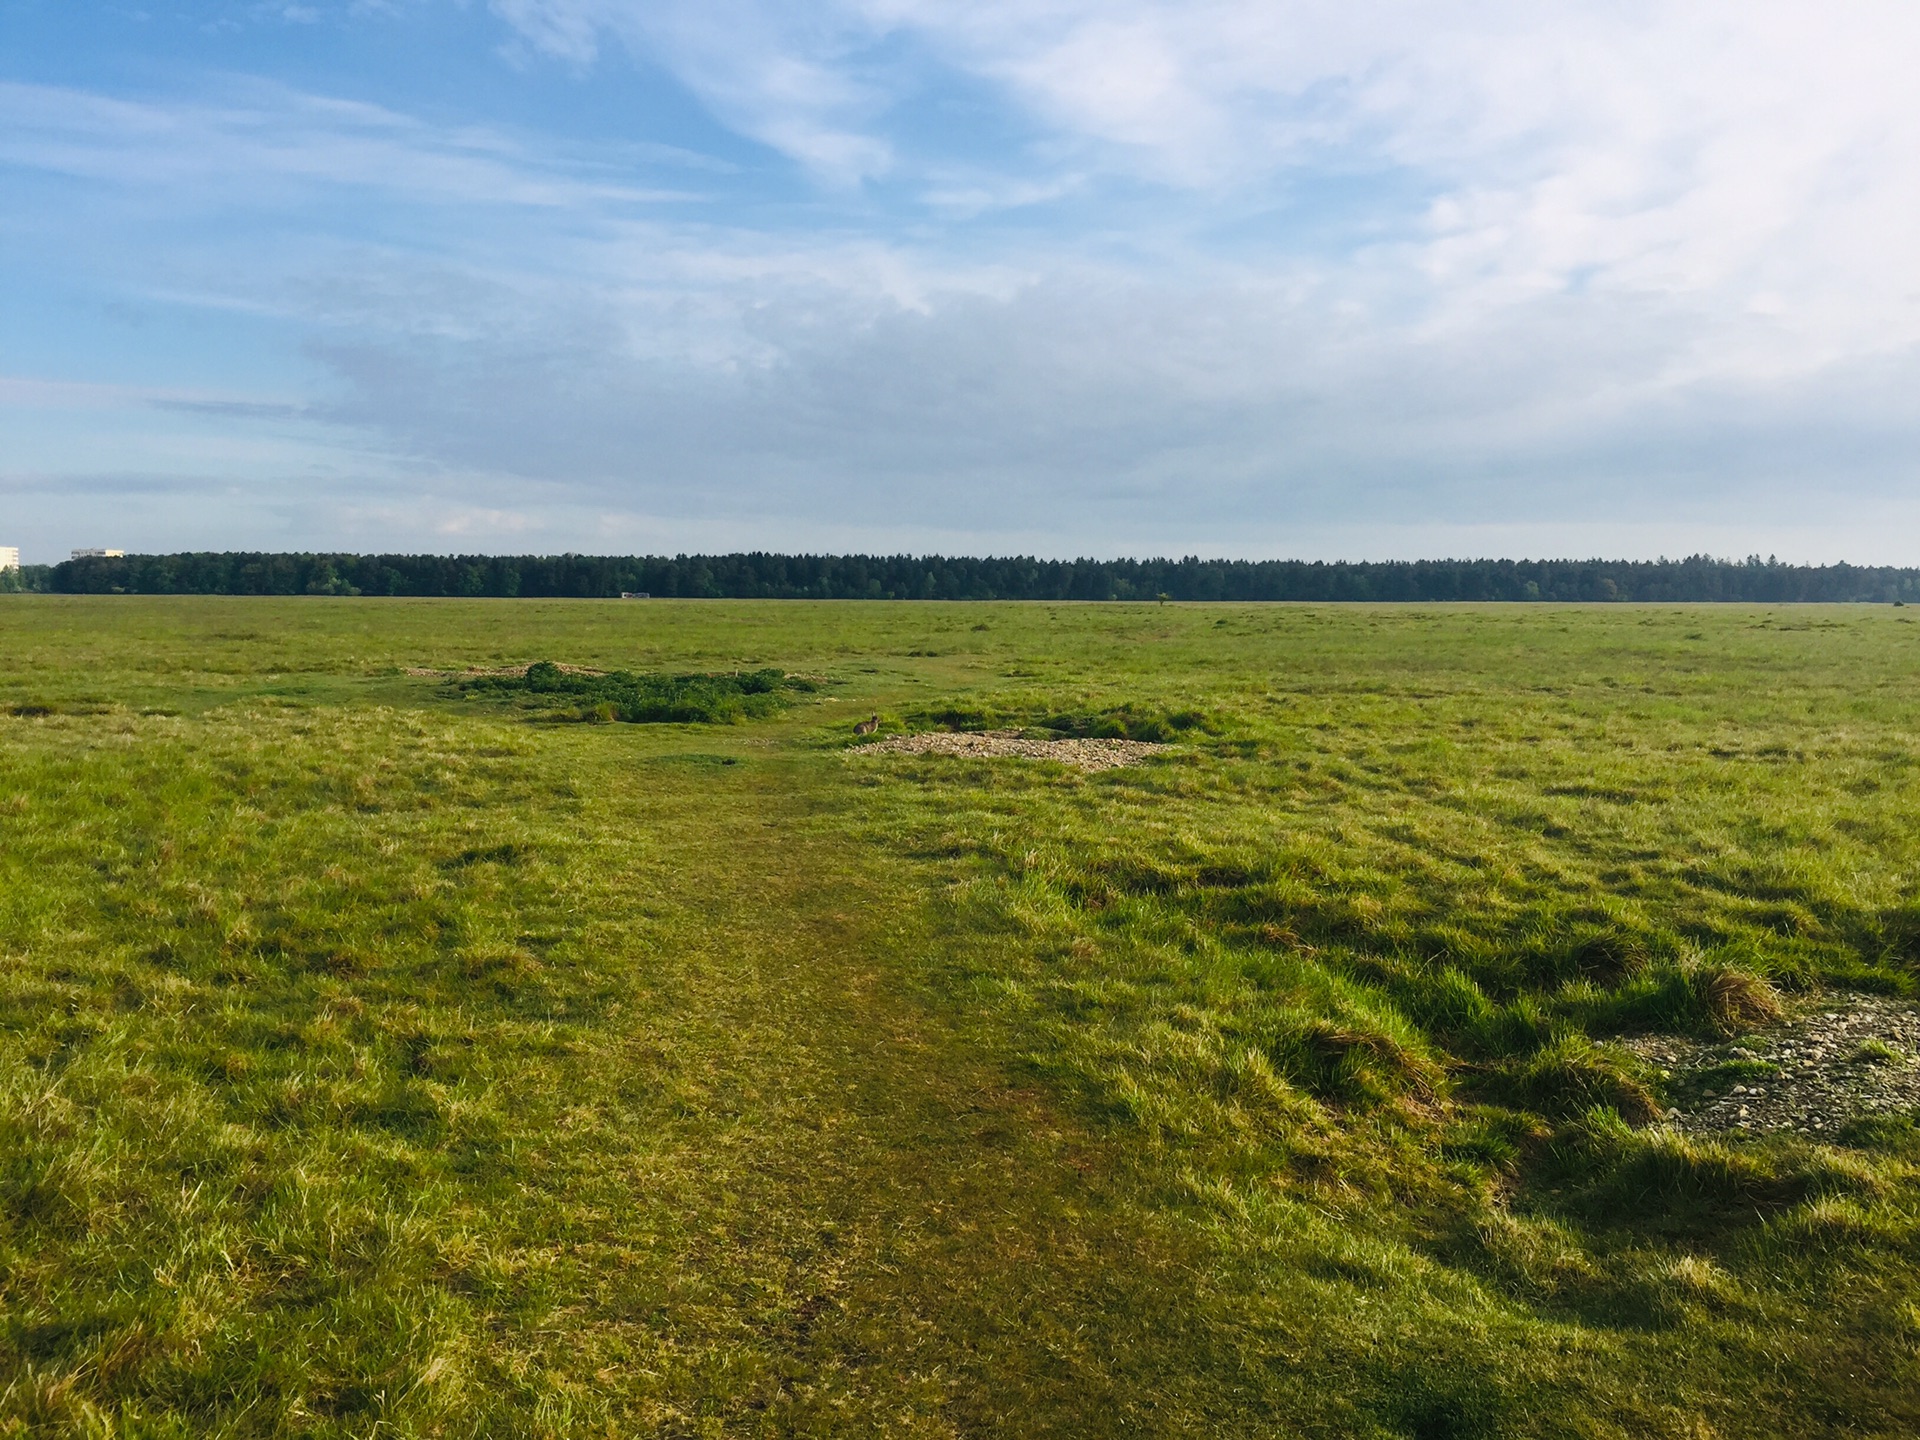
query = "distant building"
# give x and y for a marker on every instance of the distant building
(9, 557)
(98, 554)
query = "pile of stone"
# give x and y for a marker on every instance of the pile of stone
(1846, 1056)
(1086, 754)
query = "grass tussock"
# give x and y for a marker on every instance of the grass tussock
(1355, 1064)
(1570, 1076)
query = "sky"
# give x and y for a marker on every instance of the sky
(1249, 278)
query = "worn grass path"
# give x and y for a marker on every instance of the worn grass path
(892, 1235)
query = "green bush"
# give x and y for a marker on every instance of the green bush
(648, 699)
(1118, 722)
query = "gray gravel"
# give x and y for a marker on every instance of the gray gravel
(1828, 1063)
(1087, 754)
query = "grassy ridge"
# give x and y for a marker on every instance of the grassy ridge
(371, 1058)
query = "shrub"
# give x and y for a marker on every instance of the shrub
(1125, 722)
(1119, 722)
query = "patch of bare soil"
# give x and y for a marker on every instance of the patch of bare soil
(1086, 754)
(1847, 1056)
(477, 672)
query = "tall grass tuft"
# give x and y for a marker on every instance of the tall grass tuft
(1570, 1076)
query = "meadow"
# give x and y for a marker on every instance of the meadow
(398, 1053)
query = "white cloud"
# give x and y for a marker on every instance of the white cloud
(263, 145)
(1757, 155)
(789, 78)
(1135, 414)
(1622, 266)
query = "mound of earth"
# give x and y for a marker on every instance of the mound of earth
(1846, 1057)
(1085, 754)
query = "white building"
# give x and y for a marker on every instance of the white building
(9, 557)
(98, 554)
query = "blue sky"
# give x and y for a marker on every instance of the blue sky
(1318, 279)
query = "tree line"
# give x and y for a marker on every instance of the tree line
(763, 575)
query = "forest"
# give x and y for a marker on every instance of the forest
(760, 575)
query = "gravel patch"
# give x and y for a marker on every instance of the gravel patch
(1086, 754)
(1847, 1056)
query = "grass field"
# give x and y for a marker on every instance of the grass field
(387, 1055)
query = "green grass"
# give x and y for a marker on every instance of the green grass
(377, 1057)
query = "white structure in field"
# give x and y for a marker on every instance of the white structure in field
(98, 554)
(9, 557)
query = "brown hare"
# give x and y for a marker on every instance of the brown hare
(867, 727)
